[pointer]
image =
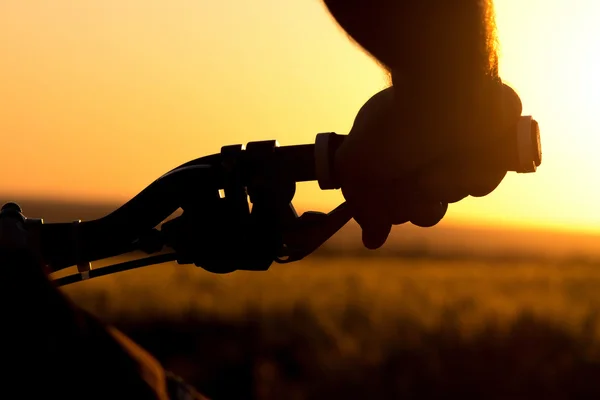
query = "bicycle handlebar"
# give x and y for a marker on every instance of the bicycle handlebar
(263, 171)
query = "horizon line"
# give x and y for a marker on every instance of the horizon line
(448, 222)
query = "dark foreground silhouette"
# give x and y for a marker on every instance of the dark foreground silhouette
(63, 351)
(293, 356)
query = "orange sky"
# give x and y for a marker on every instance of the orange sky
(100, 97)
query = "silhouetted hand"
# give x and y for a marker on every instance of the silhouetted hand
(391, 173)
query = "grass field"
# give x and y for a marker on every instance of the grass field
(444, 313)
(373, 328)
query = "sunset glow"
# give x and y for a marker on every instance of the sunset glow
(100, 97)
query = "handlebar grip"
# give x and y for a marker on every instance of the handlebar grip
(522, 153)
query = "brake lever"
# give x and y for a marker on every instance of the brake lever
(310, 231)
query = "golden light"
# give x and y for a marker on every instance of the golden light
(101, 97)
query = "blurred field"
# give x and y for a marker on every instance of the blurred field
(438, 313)
(365, 328)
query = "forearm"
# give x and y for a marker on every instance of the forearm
(357, 18)
(442, 58)
(411, 34)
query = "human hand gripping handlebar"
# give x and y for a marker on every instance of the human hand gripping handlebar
(218, 230)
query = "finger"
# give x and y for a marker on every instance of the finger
(447, 183)
(482, 182)
(478, 175)
(407, 204)
(426, 214)
(452, 183)
(375, 225)
(400, 215)
(513, 107)
(397, 204)
(374, 237)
